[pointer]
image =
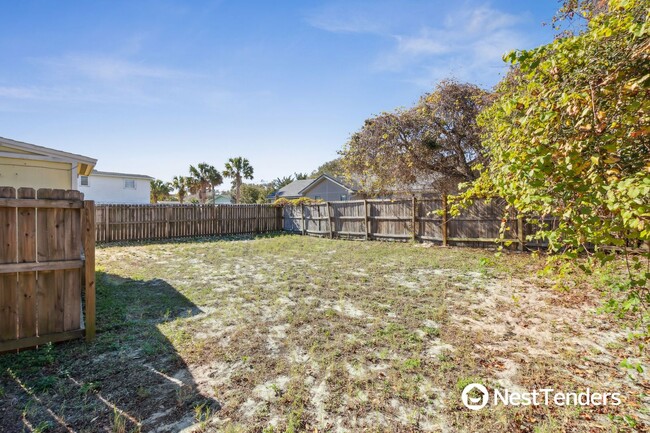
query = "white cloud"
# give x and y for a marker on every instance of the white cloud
(109, 68)
(114, 80)
(477, 37)
(466, 42)
(349, 24)
(19, 93)
(492, 47)
(421, 45)
(484, 19)
(39, 93)
(365, 16)
(100, 79)
(65, 93)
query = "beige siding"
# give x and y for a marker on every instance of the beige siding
(35, 174)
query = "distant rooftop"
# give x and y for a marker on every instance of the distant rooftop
(116, 174)
(295, 188)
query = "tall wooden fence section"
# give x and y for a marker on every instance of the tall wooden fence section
(151, 222)
(417, 219)
(47, 258)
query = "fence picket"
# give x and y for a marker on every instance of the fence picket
(406, 219)
(8, 282)
(26, 253)
(144, 222)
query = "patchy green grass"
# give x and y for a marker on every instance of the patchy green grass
(291, 334)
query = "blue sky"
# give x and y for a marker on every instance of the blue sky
(152, 86)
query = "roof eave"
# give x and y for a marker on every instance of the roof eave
(47, 151)
(122, 175)
(330, 178)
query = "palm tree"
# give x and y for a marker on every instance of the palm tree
(301, 176)
(238, 169)
(203, 178)
(181, 185)
(159, 190)
(279, 182)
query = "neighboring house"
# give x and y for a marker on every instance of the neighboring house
(118, 188)
(223, 199)
(324, 187)
(29, 165)
(220, 198)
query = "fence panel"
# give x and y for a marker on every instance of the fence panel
(316, 219)
(349, 218)
(391, 219)
(44, 252)
(481, 222)
(292, 219)
(403, 219)
(151, 222)
(430, 223)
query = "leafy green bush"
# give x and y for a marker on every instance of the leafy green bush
(281, 202)
(567, 138)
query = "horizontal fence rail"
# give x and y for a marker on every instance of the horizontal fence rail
(411, 219)
(115, 222)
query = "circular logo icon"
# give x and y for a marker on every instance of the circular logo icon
(475, 400)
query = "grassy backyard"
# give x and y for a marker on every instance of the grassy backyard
(289, 334)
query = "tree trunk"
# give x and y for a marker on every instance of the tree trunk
(237, 188)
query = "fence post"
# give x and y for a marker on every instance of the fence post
(520, 232)
(444, 220)
(414, 210)
(217, 219)
(259, 211)
(329, 219)
(195, 220)
(107, 210)
(302, 216)
(89, 266)
(168, 222)
(319, 220)
(367, 218)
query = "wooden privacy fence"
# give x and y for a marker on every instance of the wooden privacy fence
(417, 219)
(47, 255)
(144, 222)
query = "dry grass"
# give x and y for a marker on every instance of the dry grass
(288, 334)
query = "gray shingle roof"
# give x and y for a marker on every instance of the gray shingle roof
(294, 188)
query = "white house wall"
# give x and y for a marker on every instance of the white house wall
(105, 189)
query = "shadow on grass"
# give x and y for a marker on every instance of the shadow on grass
(199, 239)
(130, 378)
